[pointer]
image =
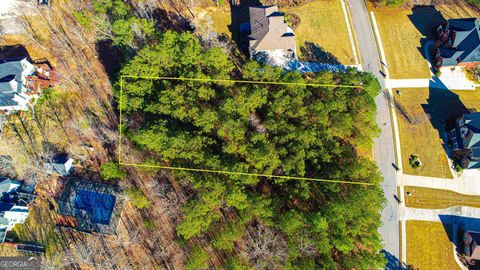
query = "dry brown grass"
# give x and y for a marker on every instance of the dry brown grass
(421, 138)
(438, 198)
(429, 109)
(402, 31)
(321, 22)
(429, 247)
(401, 42)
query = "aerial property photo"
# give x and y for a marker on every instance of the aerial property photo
(319, 134)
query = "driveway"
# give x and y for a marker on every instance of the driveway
(468, 183)
(384, 153)
(452, 215)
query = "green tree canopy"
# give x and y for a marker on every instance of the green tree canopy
(281, 129)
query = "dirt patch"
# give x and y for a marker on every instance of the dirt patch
(293, 20)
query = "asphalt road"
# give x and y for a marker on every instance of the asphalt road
(384, 152)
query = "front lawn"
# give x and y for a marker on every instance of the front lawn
(437, 198)
(401, 40)
(429, 246)
(322, 23)
(418, 136)
(427, 110)
(404, 31)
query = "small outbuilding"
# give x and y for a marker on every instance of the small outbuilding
(59, 164)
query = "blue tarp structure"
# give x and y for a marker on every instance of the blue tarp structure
(98, 205)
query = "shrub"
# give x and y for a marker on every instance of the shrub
(82, 19)
(197, 259)
(414, 161)
(148, 224)
(458, 168)
(474, 2)
(138, 198)
(111, 170)
(472, 74)
(392, 3)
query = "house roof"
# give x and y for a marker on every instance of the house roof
(269, 30)
(462, 24)
(12, 80)
(466, 42)
(14, 69)
(60, 164)
(468, 138)
(473, 243)
(7, 185)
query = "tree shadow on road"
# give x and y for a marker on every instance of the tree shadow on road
(393, 263)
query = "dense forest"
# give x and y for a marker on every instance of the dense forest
(295, 130)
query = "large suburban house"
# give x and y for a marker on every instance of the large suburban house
(13, 205)
(465, 140)
(457, 43)
(471, 248)
(13, 84)
(270, 39)
(21, 81)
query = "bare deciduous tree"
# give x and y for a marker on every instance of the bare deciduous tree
(265, 248)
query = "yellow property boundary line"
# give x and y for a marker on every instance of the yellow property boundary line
(219, 171)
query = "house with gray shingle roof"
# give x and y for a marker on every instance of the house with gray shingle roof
(458, 43)
(14, 201)
(465, 140)
(13, 84)
(471, 245)
(270, 36)
(60, 164)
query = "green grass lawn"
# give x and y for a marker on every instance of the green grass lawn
(437, 198)
(429, 247)
(322, 23)
(428, 109)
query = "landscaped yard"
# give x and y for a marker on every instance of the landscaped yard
(404, 31)
(322, 23)
(437, 198)
(429, 247)
(427, 111)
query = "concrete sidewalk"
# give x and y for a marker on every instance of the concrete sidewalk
(407, 83)
(452, 80)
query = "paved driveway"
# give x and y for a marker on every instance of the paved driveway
(468, 183)
(450, 215)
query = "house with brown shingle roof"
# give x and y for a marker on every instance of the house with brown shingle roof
(269, 35)
(471, 242)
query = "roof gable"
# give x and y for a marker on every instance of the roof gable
(465, 38)
(269, 30)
